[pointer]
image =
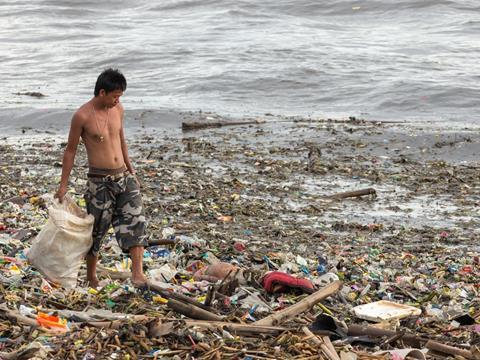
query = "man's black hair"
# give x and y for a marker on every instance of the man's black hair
(110, 80)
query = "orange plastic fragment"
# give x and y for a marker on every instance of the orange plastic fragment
(51, 322)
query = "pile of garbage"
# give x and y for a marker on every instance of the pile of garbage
(264, 244)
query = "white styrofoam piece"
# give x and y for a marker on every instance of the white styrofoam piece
(384, 310)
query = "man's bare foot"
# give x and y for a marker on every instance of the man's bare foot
(93, 283)
(138, 277)
(139, 281)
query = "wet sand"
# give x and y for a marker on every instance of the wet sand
(423, 174)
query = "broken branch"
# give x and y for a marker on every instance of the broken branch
(300, 307)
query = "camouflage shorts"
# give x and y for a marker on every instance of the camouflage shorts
(118, 203)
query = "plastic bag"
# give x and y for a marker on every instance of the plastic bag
(60, 247)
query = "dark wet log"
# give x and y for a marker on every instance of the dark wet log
(356, 193)
(192, 311)
(410, 339)
(447, 349)
(300, 307)
(197, 125)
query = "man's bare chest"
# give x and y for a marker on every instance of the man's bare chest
(102, 128)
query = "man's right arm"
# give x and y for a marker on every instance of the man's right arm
(69, 154)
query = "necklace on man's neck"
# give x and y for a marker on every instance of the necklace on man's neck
(99, 136)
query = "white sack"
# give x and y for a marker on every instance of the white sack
(60, 248)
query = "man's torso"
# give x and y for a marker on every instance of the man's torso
(101, 136)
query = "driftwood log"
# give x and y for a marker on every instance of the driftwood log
(409, 339)
(450, 350)
(356, 193)
(300, 307)
(197, 125)
(192, 311)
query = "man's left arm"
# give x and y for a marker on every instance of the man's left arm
(123, 143)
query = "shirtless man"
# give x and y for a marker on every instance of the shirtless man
(113, 192)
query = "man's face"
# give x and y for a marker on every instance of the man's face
(111, 98)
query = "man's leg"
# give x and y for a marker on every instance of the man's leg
(129, 224)
(95, 197)
(136, 254)
(92, 270)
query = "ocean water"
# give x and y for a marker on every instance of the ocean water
(379, 59)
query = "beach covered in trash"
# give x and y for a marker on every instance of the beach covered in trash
(278, 238)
